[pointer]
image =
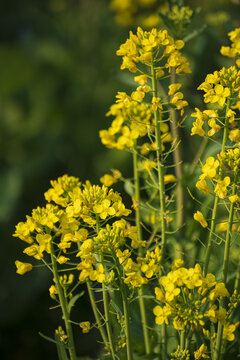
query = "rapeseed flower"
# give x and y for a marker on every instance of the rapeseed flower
(198, 216)
(22, 267)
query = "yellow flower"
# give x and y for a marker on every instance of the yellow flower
(24, 229)
(177, 263)
(210, 168)
(197, 128)
(173, 88)
(161, 314)
(22, 268)
(156, 103)
(198, 216)
(231, 114)
(160, 73)
(98, 275)
(221, 187)
(135, 279)
(202, 185)
(80, 235)
(234, 198)
(62, 259)
(214, 127)
(148, 165)
(141, 79)
(223, 226)
(108, 180)
(85, 325)
(169, 178)
(201, 353)
(44, 242)
(218, 291)
(228, 331)
(234, 135)
(104, 209)
(159, 295)
(34, 250)
(53, 291)
(86, 269)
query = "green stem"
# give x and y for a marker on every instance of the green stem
(107, 320)
(182, 340)
(123, 291)
(160, 168)
(96, 311)
(198, 155)
(106, 303)
(237, 280)
(164, 342)
(140, 250)
(217, 349)
(216, 200)
(63, 304)
(96, 314)
(177, 158)
(227, 242)
(212, 230)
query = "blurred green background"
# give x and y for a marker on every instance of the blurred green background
(58, 77)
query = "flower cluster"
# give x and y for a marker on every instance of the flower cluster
(221, 85)
(132, 120)
(230, 162)
(190, 300)
(148, 46)
(233, 50)
(210, 173)
(129, 11)
(77, 210)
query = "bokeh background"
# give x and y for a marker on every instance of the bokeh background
(58, 77)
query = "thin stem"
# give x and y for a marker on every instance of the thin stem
(237, 280)
(96, 314)
(212, 230)
(106, 303)
(216, 200)
(164, 342)
(217, 349)
(107, 319)
(64, 305)
(227, 242)
(140, 250)
(160, 168)
(96, 311)
(125, 309)
(177, 158)
(198, 155)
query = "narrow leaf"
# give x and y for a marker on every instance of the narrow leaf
(73, 300)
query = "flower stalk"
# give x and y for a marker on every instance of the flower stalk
(160, 169)
(63, 304)
(140, 250)
(123, 291)
(177, 158)
(227, 241)
(216, 199)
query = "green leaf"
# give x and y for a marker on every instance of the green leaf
(62, 354)
(128, 187)
(47, 338)
(194, 33)
(73, 300)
